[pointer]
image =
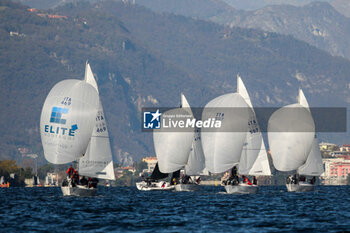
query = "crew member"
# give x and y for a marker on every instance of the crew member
(70, 171)
(255, 182)
(246, 180)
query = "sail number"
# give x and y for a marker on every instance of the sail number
(219, 116)
(253, 126)
(66, 101)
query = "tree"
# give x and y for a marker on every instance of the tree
(43, 170)
(7, 167)
(139, 166)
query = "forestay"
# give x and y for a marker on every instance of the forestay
(67, 120)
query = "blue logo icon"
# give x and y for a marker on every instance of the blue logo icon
(56, 115)
(151, 120)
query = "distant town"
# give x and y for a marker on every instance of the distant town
(336, 161)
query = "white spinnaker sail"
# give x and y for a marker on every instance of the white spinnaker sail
(98, 160)
(313, 165)
(172, 147)
(196, 161)
(291, 131)
(222, 147)
(67, 120)
(253, 159)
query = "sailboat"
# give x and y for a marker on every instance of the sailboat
(223, 147)
(48, 181)
(98, 159)
(196, 161)
(172, 150)
(294, 145)
(155, 182)
(70, 124)
(253, 160)
(2, 182)
(36, 181)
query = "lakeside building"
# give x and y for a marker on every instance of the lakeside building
(119, 171)
(151, 163)
(336, 170)
(51, 179)
(326, 146)
(345, 147)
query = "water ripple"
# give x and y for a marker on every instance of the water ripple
(125, 209)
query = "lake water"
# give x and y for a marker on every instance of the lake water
(121, 209)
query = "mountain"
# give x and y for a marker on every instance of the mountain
(318, 23)
(49, 4)
(202, 9)
(343, 6)
(37, 52)
(250, 5)
(144, 59)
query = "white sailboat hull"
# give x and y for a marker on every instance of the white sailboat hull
(241, 189)
(160, 185)
(300, 187)
(80, 191)
(187, 187)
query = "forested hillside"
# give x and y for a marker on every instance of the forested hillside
(141, 58)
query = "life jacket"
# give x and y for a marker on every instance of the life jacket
(246, 180)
